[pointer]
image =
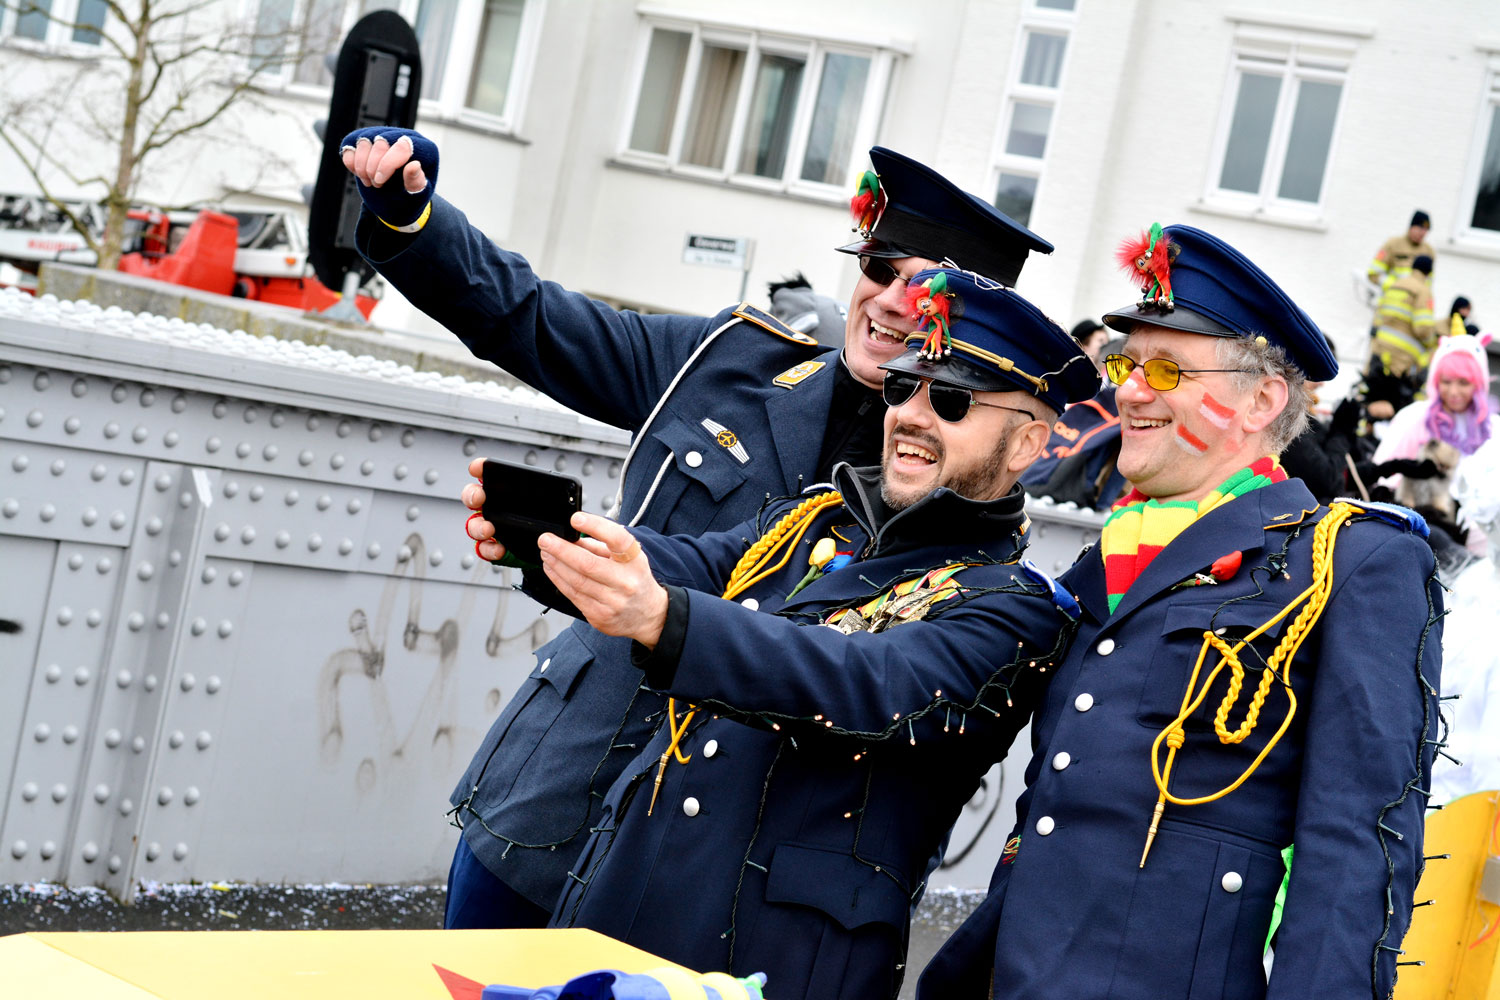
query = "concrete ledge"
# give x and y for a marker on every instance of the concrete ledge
(70, 282)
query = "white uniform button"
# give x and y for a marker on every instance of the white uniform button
(545, 664)
(751, 603)
(693, 459)
(1232, 882)
(690, 806)
(710, 748)
(1105, 647)
(1045, 825)
(1061, 760)
(1084, 702)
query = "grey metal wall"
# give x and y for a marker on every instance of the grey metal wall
(247, 637)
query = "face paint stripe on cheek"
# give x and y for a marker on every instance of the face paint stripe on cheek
(1216, 412)
(1190, 443)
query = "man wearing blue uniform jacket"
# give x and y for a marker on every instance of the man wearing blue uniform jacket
(1234, 754)
(880, 645)
(725, 410)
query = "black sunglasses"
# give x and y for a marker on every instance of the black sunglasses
(950, 402)
(879, 270)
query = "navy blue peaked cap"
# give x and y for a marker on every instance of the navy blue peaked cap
(999, 343)
(1218, 292)
(927, 215)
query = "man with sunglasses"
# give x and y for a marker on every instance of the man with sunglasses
(881, 644)
(1234, 755)
(793, 409)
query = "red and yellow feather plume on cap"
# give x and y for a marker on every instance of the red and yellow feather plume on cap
(868, 202)
(1148, 258)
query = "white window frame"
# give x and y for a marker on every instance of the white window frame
(1489, 99)
(812, 50)
(59, 39)
(453, 90)
(1297, 56)
(1034, 20)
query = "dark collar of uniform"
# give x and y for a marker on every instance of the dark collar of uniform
(1239, 525)
(941, 517)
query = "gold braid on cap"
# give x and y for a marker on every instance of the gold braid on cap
(1003, 363)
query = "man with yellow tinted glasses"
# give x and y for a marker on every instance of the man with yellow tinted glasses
(1234, 754)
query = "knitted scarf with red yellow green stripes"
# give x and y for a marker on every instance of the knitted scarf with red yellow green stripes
(1139, 527)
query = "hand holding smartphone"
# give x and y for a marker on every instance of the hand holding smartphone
(522, 503)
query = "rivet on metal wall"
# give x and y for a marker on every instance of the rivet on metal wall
(366, 467)
(408, 438)
(145, 571)
(184, 499)
(41, 381)
(126, 807)
(430, 477)
(354, 505)
(53, 673)
(4, 374)
(41, 732)
(221, 532)
(467, 562)
(191, 796)
(588, 466)
(399, 472)
(123, 678)
(283, 539)
(64, 615)
(163, 619)
(247, 535)
(188, 680)
(210, 574)
(436, 558)
(117, 520)
(471, 447)
(171, 439)
(269, 452)
(90, 852)
(47, 513)
(344, 428)
(101, 793)
(18, 850)
(75, 561)
(72, 425)
(176, 739)
(93, 618)
(257, 493)
(48, 849)
(127, 476)
(336, 461)
(98, 472)
(314, 542)
(174, 557)
(225, 629)
(70, 734)
(313, 422)
(530, 458)
(180, 851)
(11, 507)
(204, 740)
(104, 565)
(29, 791)
(213, 444)
(111, 430)
(59, 467)
(80, 387)
(140, 434)
(277, 418)
(118, 392)
(376, 432)
(292, 496)
(153, 851)
(112, 738)
(147, 397)
(149, 683)
(137, 744)
(164, 796)
(413, 512)
(373, 551)
(213, 684)
(561, 464)
(115, 864)
(82, 675)
(324, 501)
(236, 577)
(403, 553)
(90, 517)
(34, 418)
(614, 470)
(346, 546)
(179, 403)
(59, 792)
(221, 408)
(305, 457)
(242, 449)
(198, 626)
(250, 414)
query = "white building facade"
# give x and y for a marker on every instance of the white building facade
(594, 137)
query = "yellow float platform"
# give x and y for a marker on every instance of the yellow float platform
(291, 965)
(1456, 936)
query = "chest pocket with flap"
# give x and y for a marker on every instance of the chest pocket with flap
(702, 474)
(1184, 622)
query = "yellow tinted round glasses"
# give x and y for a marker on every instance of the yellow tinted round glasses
(1160, 373)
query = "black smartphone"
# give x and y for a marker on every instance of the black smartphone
(522, 502)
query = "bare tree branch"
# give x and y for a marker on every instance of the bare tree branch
(78, 224)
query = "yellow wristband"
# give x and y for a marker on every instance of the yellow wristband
(415, 226)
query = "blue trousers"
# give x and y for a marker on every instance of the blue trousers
(477, 899)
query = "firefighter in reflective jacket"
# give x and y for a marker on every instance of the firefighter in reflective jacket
(1404, 331)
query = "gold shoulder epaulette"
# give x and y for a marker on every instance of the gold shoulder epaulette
(771, 324)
